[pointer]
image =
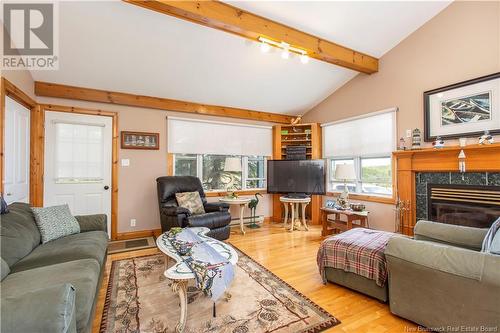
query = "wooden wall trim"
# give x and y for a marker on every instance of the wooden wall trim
(40, 143)
(112, 97)
(138, 234)
(222, 16)
(7, 88)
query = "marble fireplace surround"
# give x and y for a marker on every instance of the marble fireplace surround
(448, 178)
(414, 169)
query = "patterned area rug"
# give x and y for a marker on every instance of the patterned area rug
(139, 299)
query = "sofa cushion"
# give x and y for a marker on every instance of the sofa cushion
(461, 236)
(87, 245)
(55, 222)
(19, 233)
(81, 274)
(50, 309)
(4, 268)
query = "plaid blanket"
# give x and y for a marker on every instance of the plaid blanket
(359, 251)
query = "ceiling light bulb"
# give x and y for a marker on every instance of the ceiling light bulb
(285, 54)
(264, 47)
(304, 58)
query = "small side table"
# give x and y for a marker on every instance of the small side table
(242, 202)
(338, 223)
(294, 206)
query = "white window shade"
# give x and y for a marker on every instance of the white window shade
(187, 136)
(374, 134)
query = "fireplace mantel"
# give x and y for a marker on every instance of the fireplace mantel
(478, 158)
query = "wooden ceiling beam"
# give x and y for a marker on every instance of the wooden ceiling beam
(111, 97)
(221, 16)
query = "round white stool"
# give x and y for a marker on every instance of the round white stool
(294, 206)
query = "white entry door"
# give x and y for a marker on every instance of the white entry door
(17, 152)
(78, 163)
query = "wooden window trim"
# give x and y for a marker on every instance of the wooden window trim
(366, 197)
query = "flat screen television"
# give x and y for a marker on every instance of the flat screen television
(296, 177)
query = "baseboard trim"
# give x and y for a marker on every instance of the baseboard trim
(138, 234)
(154, 232)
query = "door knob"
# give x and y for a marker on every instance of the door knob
(106, 187)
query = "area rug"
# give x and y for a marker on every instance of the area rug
(139, 299)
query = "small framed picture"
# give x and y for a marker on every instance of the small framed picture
(463, 109)
(140, 140)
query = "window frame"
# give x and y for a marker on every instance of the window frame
(358, 170)
(244, 171)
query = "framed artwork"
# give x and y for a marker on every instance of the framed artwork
(463, 109)
(140, 140)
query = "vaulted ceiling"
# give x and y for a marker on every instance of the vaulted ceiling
(112, 45)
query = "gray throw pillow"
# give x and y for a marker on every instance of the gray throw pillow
(55, 222)
(491, 242)
(4, 269)
(191, 201)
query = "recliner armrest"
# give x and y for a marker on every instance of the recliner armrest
(97, 222)
(211, 207)
(50, 309)
(174, 210)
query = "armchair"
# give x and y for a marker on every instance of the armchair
(216, 217)
(440, 280)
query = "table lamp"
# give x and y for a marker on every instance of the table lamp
(344, 172)
(232, 164)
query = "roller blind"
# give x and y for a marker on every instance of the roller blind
(374, 134)
(190, 136)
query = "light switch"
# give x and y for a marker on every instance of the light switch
(408, 133)
(125, 162)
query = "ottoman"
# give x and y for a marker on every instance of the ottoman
(355, 259)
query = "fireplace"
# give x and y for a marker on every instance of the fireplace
(468, 205)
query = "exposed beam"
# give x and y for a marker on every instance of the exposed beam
(221, 16)
(111, 97)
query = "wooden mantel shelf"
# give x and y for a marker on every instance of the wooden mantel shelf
(478, 158)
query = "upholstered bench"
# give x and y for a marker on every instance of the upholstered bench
(355, 259)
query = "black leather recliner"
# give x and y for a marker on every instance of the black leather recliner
(216, 217)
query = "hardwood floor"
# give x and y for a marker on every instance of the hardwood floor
(292, 257)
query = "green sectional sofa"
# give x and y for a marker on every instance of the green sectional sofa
(49, 287)
(441, 280)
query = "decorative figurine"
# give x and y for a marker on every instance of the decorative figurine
(416, 139)
(486, 138)
(461, 162)
(253, 207)
(296, 121)
(438, 143)
(402, 144)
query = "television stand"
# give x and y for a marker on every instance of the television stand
(296, 196)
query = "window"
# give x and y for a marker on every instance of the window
(366, 143)
(373, 175)
(185, 165)
(223, 172)
(255, 172)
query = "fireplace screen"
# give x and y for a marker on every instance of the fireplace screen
(472, 206)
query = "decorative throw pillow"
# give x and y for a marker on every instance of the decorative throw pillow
(191, 201)
(4, 208)
(55, 222)
(491, 242)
